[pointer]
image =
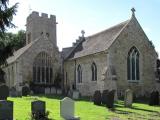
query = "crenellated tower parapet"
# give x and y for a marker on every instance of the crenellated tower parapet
(38, 25)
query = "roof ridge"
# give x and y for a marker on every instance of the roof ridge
(15, 55)
(111, 27)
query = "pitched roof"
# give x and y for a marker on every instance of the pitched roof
(98, 42)
(19, 52)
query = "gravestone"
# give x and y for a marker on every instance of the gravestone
(97, 99)
(75, 94)
(154, 98)
(128, 98)
(59, 91)
(13, 92)
(25, 91)
(4, 92)
(47, 91)
(53, 90)
(6, 110)
(104, 96)
(38, 109)
(110, 99)
(67, 109)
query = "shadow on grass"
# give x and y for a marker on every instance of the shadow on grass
(136, 108)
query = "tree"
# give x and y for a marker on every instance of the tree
(6, 15)
(11, 42)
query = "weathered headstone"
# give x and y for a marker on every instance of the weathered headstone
(67, 109)
(75, 94)
(47, 91)
(38, 109)
(97, 99)
(104, 96)
(110, 99)
(25, 91)
(4, 92)
(128, 98)
(154, 98)
(6, 110)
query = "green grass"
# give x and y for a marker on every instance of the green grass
(86, 110)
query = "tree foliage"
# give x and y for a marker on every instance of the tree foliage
(10, 43)
(6, 15)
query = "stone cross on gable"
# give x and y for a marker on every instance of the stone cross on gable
(133, 11)
(83, 32)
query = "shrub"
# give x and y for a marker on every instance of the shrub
(40, 116)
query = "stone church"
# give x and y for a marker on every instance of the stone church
(118, 58)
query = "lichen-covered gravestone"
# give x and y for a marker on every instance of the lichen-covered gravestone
(38, 109)
(128, 98)
(4, 92)
(110, 99)
(67, 109)
(6, 110)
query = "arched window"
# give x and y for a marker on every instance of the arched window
(133, 64)
(94, 71)
(42, 69)
(79, 74)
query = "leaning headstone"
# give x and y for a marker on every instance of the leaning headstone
(104, 96)
(97, 99)
(6, 110)
(4, 92)
(110, 99)
(38, 109)
(25, 91)
(75, 95)
(128, 98)
(67, 109)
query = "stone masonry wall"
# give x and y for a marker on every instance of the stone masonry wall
(131, 36)
(87, 87)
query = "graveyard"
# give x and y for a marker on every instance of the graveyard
(85, 109)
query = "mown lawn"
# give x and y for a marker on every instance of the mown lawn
(86, 110)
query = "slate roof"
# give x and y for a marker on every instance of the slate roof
(98, 42)
(19, 52)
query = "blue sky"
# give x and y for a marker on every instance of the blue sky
(92, 16)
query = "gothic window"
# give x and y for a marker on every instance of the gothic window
(79, 74)
(94, 71)
(133, 64)
(42, 69)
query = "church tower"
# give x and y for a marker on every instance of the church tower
(40, 25)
